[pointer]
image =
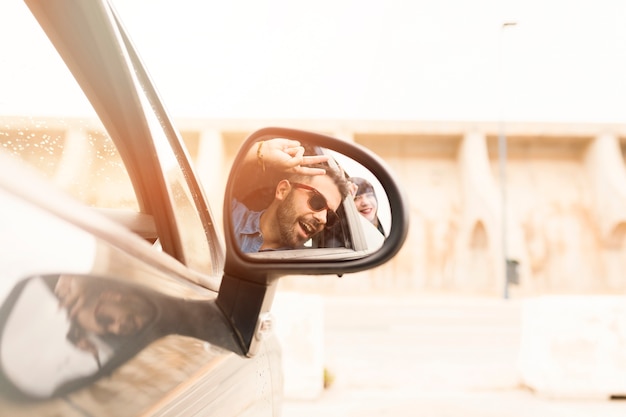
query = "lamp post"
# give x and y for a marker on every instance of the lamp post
(502, 156)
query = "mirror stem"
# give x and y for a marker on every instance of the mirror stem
(243, 302)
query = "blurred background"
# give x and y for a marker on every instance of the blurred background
(505, 123)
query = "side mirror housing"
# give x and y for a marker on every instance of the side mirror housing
(285, 189)
(352, 244)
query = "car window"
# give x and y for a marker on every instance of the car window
(76, 155)
(195, 241)
(46, 121)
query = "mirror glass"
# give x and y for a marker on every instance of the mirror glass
(292, 199)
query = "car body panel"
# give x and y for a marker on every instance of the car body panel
(191, 362)
(188, 360)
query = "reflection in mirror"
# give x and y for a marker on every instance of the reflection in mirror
(59, 333)
(79, 321)
(291, 195)
(368, 195)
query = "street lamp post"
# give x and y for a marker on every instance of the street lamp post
(502, 156)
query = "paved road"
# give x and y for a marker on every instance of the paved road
(440, 356)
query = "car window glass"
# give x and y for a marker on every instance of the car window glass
(46, 121)
(197, 252)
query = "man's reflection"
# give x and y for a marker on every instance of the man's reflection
(305, 197)
(85, 324)
(99, 307)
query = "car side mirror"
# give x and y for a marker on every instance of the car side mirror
(302, 202)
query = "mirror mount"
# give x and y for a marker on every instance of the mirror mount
(244, 303)
(250, 279)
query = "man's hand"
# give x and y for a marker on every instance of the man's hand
(288, 156)
(71, 293)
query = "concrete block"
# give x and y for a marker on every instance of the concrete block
(299, 327)
(574, 346)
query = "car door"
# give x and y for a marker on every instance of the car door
(154, 247)
(118, 296)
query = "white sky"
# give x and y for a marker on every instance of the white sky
(565, 60)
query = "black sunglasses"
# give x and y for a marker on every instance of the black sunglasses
(317, 202)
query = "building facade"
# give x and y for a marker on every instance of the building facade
(544, 201)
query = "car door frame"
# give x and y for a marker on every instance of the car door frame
(93, 43)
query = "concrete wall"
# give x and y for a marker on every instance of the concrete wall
(563, 190)
(562, 187)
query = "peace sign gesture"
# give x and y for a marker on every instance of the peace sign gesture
(287, 155)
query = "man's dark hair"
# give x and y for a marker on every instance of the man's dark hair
(363, 186)
(335, 174)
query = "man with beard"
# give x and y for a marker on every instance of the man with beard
(304, 199)
(101, 308)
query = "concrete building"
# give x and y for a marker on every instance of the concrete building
(560, 189)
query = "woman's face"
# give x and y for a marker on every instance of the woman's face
(367, 205)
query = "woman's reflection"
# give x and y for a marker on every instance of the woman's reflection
(366, 201)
